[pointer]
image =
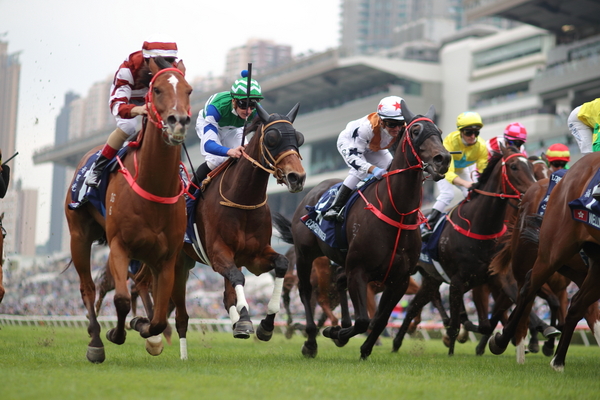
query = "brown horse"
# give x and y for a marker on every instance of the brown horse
(1, 256)
(145, 214)
(383, 239)
(467, 243)
(233, 220)
(559, 240)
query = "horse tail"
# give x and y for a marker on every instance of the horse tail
(531, 231)
(283, 226)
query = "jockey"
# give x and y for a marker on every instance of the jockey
(127, 101)
(584, 124)
(220, 124)
(4, 178)
(515, 134)
(364, 145)
(558, 156)
(473, 156)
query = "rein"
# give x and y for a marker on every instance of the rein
(379, 213)
(156, 119)
(503, 195)
(272, 163)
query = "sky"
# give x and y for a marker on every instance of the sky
(68, 45)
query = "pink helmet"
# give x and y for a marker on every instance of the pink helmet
(515, 131)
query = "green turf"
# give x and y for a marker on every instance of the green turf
(49, 363)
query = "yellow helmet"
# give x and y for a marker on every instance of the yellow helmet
(468, 119)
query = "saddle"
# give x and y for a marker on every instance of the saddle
(429, 251)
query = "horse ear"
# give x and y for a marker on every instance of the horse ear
(430, 113)
(181, 67)
(262, 114)
(293, 112)
(154, 68)
(408, 115)
(544, 157)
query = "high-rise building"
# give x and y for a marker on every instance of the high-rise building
(263, 54)
(56, 242)
(10, 71)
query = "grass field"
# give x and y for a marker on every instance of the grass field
(49, 363)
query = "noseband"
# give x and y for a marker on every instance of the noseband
(267, 157)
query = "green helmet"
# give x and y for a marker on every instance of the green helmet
(239, 89)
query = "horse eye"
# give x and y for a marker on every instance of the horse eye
(299, 138)
(272, 137)
(156, 90)
(513, 167)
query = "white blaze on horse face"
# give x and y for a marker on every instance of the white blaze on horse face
(174, 81)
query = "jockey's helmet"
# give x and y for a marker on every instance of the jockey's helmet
(239, 89)
(390, 108)
(558, 152)
(515, 131)
(163, 48)
(469, 119)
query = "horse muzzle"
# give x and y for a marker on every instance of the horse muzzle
(293, 180)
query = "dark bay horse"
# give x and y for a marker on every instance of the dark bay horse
(145, 214)
(233, 220)
(468, 241)
(383, 239)
(559, 240)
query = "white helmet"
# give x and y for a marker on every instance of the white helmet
(390, 108)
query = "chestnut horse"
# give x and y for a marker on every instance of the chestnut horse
(559, 240)
(145, 214)
(233, 219)
(467, 242)
(383, 236)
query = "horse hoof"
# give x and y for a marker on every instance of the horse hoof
(327, 332)
(136, 320)
(446, 340)
(289, 332)
(111, 335)
(551, 332)
(340, 342)
(494, 347)
(154, 345)
(95, 354)
(534, 348)
(263, 334)
(557, 368)
(309, 351)
(548, 350)
(242, 329)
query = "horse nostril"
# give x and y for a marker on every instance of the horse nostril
(185, 121)
(171, 120)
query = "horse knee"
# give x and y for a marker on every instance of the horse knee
(281, 266)
(122, 303)
(236, 277)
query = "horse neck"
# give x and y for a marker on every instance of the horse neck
(248, 180)
(402, 185)
(157, 164)
(487, 213)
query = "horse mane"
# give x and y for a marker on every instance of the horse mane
(487, 172)
(533, 158)
(253, 126)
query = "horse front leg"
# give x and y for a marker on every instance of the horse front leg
(119, 262)
(456, 306)
(264, 331)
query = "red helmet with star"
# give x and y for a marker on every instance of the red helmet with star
(390, 108)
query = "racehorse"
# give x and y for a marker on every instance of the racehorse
(1, 256)
(467, 242)
(560, 239)
(145, 214)
(233, 220)
(540, 167)
(388, 221)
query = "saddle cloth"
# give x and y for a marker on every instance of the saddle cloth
(554, 179)
(429, 251)
(586, 209)
(331, 232)
(81, 193)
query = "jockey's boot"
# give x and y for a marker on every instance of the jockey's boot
(201, 174)
(596, 192)
(341, 198)
(432, 220)
(93, 179)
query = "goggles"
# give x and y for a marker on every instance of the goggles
(516, 143)
(393, 123)
(471, 132)
(244, 103)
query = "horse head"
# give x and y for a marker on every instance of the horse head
(517, 171)
(168, 100)
(425, 139)
(279, 148)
